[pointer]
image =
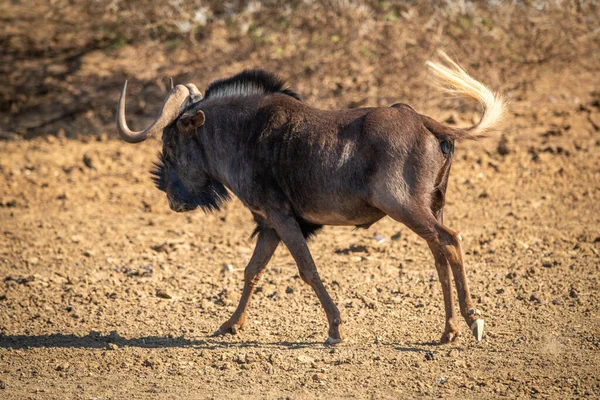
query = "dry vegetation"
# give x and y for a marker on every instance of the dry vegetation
(105, 293)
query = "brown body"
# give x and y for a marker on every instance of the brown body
(298, 168)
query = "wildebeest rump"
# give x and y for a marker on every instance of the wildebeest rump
(297, 168)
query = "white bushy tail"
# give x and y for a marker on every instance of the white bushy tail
(451, 78)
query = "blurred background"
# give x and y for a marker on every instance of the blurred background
(64, 62)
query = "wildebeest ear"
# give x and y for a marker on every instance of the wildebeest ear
(190, 122)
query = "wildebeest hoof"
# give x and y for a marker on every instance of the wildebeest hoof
(233, 330)
(331, 341)
(477, 329)
(473, 311)
(450, 337)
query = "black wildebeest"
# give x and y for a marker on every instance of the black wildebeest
(297, 168)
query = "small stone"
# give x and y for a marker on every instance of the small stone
(163, 294)
(318, 378)
(303, 359)
(442, 380)
(503, 148)
(380, 238)
(76, 238)
(289, 290)
(111, 346)
(89, 253)
(88, 161)
(62, 367)
(429, 356)
(557, 302)
(547, 263)
(241, 359)
(534, 298)
(2, 385)
(227, 268)
(453, 353)
(573, 294)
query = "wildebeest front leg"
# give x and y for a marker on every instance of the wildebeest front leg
(290, 233)
(265, 247)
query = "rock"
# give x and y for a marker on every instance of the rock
(76, 238)
(227, 268)
(2, 385)
(380, 238)
(241, 359)
(547, 263)
(453, 353)
(429, 356)
(62, 367)
(303, 359)
(534, 298)
(88, 161)
(318, 378)
(503, 148)
(163, 294)
(89, 253)
(573, 294)
(111, 346)
(289, 290)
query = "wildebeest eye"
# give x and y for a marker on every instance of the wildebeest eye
(159, 173)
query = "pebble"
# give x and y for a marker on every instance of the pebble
(305, 359)
(380, 238)
(111, 346)
(88, 161)
(2, 385)
(503, 148)
(163, 294)
(534, 298)
(573, 294)
(227, 268)
(429, 356)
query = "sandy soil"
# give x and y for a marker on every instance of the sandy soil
(105, 291)
(107, 294)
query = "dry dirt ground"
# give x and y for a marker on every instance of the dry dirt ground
(107, 294)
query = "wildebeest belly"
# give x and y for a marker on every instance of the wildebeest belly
(332, 212)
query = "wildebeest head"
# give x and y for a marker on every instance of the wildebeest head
(179, 170)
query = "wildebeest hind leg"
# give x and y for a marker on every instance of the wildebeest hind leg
(265, 247)
(444, 244)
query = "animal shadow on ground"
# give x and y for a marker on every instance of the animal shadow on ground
(95, 340)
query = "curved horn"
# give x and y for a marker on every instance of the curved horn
(168, 113)
(194, 92)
